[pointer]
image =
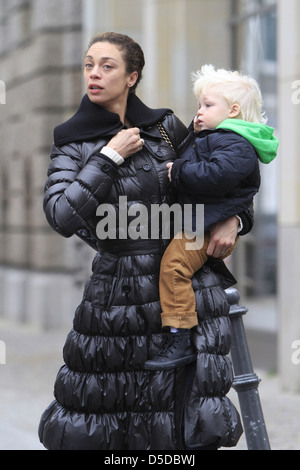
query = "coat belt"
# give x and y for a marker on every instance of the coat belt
(130, 247)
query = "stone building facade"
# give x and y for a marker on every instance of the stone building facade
(40, 64)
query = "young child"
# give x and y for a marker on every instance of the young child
(220, 170)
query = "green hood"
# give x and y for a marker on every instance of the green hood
(259, 135)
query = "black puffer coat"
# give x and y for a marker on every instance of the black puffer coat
(104, 399)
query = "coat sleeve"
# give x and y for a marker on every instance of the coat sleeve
(247, 217)
(231, 161)
(72, 191)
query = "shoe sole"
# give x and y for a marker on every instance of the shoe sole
(171, 364)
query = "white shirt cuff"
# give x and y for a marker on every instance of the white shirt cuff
(240, 227)
(112, 154)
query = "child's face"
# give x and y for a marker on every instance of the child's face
(213, 109)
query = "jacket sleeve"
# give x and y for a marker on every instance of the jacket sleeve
(231, 160)
(247, 217)
(72, 191)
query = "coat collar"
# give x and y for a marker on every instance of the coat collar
(92, 121)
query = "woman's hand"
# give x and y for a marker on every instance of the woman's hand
(127, 142)
(222, 237)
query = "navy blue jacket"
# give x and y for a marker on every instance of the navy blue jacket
(219, 169)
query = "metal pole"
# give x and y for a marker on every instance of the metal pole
(246, 381)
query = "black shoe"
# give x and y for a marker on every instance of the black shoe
(176, 351)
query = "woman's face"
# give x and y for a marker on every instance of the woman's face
(106, 79)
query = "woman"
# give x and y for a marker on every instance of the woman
(104, 399)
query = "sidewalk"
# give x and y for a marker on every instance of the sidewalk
(26, 383)
(26, 389)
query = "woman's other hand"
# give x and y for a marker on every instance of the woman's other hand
(127, 142)
(222, 237)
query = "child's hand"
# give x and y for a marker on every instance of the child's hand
(196, 125)
(169, 166)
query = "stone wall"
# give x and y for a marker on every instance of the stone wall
(40, 65)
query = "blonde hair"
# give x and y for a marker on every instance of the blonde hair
(236, 88)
